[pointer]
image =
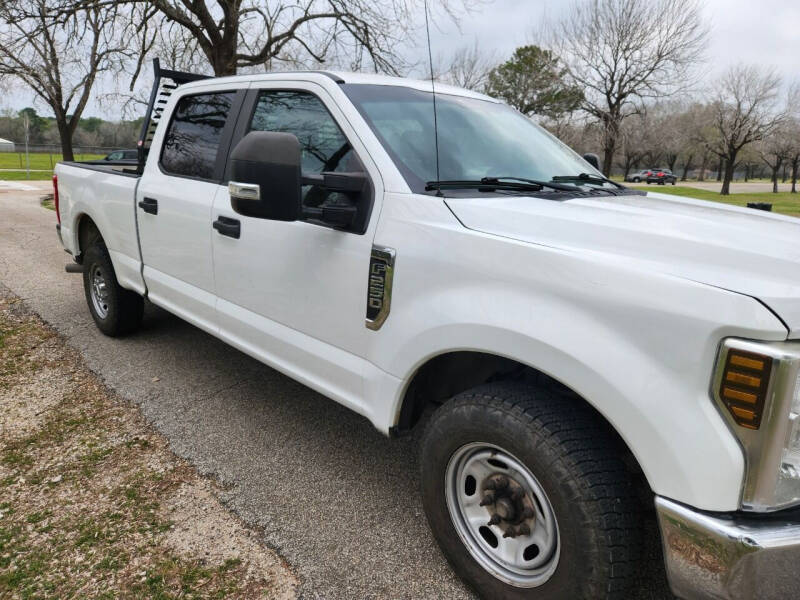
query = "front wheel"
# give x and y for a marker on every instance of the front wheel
(115, 310)
(636, 180)
(527, 497)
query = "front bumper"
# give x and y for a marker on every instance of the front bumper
(713, 555)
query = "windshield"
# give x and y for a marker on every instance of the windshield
(477, 138)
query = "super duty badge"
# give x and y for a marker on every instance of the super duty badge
(379, 287)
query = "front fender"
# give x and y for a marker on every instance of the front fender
(638, 346)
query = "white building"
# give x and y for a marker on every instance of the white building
(6, 145)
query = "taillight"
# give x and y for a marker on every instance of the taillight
(55, 198)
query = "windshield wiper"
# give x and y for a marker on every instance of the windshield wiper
(588, 178)
(493, 183)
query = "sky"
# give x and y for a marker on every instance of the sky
(749, 31)
(765, 32)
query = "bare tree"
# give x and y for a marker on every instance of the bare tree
(233, 34)
(793, 157)
(746, 109)
(468, 67)
(774, 151)
(59, 60)
(633, 142)
(620, 52)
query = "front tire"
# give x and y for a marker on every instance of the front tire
(561, 515)
(115, 310)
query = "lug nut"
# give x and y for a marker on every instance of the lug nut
(523, 529)
(510, 533)
(501, 482)
(527, 512)
(518, 494)
(488, 498)
(495, 520)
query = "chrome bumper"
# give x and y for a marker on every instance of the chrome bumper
(729, 557)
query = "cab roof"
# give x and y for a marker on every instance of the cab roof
(342, 77)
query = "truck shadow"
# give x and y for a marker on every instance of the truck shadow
(334, 496)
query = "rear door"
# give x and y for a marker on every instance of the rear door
(174, 202)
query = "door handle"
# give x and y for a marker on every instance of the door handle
(229, 227)
(149, 205)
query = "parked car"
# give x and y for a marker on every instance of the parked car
(639, 176)
(580, 354)
(122, 155)
(661, 177)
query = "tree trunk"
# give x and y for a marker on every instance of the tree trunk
(795, 165)
(671, 160)
(65, 134)
(610, 136)
(730, 165)
(608, 156)
(785, 177)
(223, 56)
(628, 167)
(687, 167)
(719, 169)
(775, 170)
(746, 172)
(703, 166)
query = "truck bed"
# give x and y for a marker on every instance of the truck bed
(108, 193)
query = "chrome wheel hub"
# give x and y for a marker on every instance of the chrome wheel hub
(502, 515)
(99, 292)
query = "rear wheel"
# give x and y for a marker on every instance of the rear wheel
(115, 310)
(527, 498)
(636, 180)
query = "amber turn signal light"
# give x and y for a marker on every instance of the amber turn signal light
(744, 386)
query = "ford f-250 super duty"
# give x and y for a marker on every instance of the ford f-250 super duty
(582, 354)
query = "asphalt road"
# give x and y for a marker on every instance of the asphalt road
(335, 498)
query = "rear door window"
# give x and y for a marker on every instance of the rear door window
(192, 140)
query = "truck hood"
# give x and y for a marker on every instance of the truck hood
(739, 249)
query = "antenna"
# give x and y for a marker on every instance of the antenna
(433, 90)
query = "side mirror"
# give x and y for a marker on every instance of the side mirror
(592, 159)
(265, 176)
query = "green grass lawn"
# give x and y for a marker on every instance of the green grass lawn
(23, 176)
(16, 160)
(783, 202)
(41, 165)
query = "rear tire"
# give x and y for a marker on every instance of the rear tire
(115, 310)
(636, 180)
(575, 461)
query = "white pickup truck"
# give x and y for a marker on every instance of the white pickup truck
(584, 356)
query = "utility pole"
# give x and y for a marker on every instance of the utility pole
(26, 123)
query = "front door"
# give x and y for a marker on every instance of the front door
(294, 293)
(174, 202)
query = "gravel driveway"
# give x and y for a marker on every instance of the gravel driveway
(335, 498)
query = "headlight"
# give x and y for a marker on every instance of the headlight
(788, 485)
(757, 388)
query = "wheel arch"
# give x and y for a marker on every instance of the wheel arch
(86, 232)
(441, 376)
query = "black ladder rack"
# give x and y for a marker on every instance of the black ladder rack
(164, 83)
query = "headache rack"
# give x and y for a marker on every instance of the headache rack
(164, 83)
